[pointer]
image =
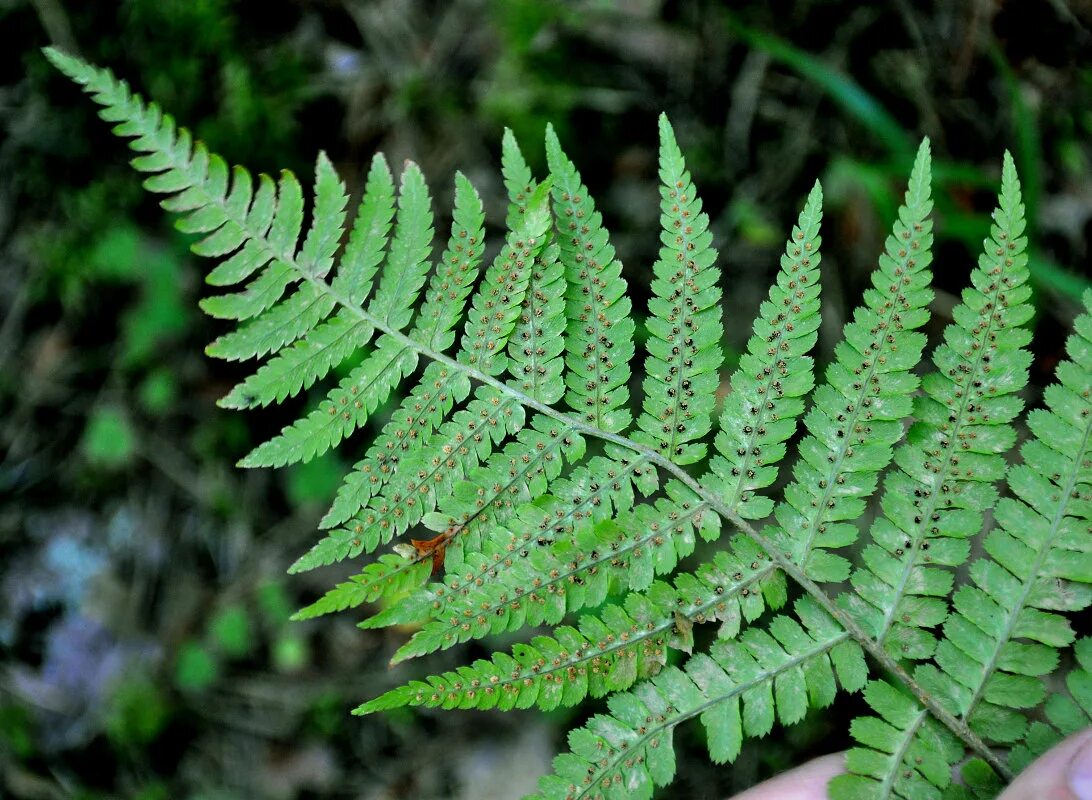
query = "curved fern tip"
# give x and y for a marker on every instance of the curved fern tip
(395, 698)
(60, 59)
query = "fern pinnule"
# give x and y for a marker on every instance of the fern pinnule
(367, 244)
(858, 412)
(684, 355)
(536, 347)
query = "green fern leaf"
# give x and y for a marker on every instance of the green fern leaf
(349, 405)
(1006, 626)
(740, 688)
(590, 494)
(934, 502)
(528, 530)
(461, 442)
(368, 238)
(684, 327)
(327, 220)
(858, 413)
(774, 375)
(599, 331)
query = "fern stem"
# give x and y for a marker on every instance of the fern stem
(887, 788)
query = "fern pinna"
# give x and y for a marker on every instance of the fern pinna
(543, 493)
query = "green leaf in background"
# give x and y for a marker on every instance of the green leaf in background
(290, 653)
(16, 731)
(230, 630)
(136, 712)
(841, 88)
(315, 481)
(158, 391)
(196, 668)
(109, 439)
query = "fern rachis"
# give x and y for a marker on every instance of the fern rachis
(535, 507)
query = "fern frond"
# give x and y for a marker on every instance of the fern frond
(389, 575)
(684, 324)
(774, 375)
(1066, 714)
(348, 406)
(934, 501)
(739, 688)
(439, 389)
(281, 325)
(599, 331)
(528, 531)
(619, 644)
(368, 238)
(460, 443)
(408, 262)
(858, 412)
(1005, 630)
(904, 753)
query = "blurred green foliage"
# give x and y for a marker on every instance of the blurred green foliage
(115, 465)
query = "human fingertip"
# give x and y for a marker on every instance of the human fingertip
(1079, 772)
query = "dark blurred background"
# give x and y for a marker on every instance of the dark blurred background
(145, 648)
